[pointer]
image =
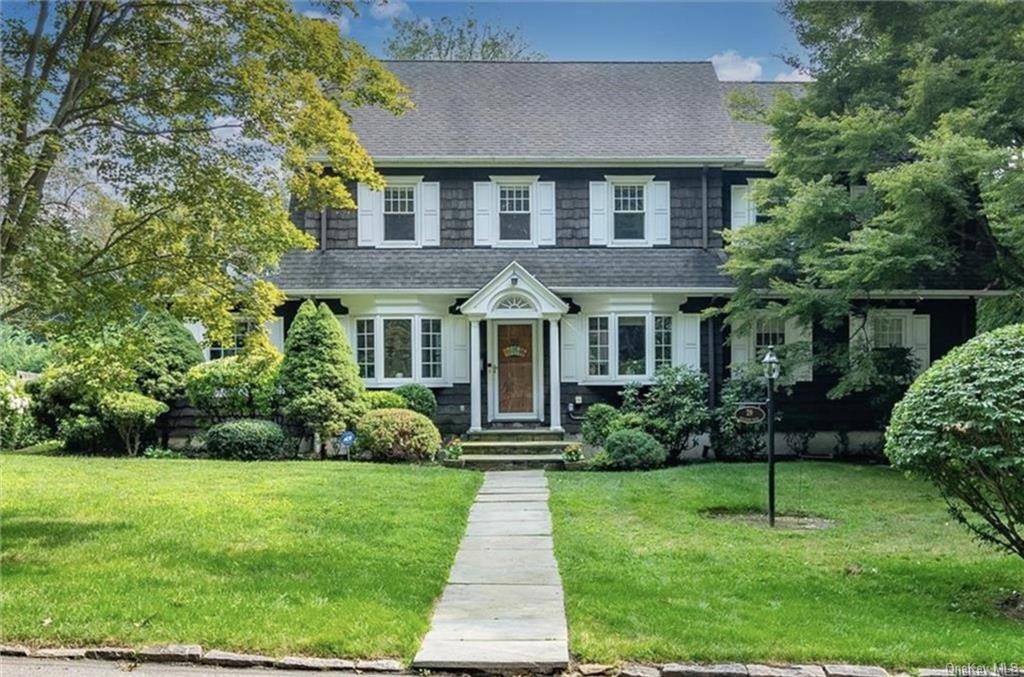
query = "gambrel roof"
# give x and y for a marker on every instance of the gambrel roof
(560, 111)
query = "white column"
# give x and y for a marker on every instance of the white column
(474, 376)
(555, 350)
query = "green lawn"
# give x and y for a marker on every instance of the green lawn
(317, 558)
(895, 582)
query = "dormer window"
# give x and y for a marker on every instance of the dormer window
(628, 210)
(400, 214)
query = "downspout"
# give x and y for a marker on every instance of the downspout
(704, 206)
(323, 229)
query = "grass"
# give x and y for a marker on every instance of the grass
(290, 557)
(648, 576)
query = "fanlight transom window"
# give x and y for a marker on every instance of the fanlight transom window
(514, 302)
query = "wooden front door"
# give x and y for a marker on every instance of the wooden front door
(515, 369)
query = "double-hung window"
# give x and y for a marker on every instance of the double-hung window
(243, 330)
(628, 346)
(514, 213)
(628, 212)
(768, 331)
(393, 350)
(400, 214)
(888, 331)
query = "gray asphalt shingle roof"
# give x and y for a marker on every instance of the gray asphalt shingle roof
(570, 110)
(469, 269)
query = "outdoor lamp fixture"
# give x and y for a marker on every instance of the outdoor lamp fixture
(514, 280)
(771, 372)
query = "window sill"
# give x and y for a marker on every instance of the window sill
(510, 244)
(630, 243)
(403, 244)
(617, 380)
(395, 382)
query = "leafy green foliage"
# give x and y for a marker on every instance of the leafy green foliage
(419, 398)
(245, 440)
(320, 370)
(448, 39)
(21, 351)
(384, 399)
(189, 115)
(243, 385)
(999, 311)
(131, 414)
(17, 427)
(597, 423)
(170, 352)
(676, 407)
(731, 440)
(632, 449)
(961, 426)
(392, 435)
(920, 102)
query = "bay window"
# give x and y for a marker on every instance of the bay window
(628, 346)
(394, 350)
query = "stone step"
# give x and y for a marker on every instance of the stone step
(516, 434)
(515, 448)
(512, 461)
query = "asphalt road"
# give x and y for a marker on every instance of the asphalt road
(44, 667)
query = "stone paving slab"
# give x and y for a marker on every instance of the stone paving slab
(503, 608)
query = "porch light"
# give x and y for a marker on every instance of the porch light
(514, 280)
(771, 364)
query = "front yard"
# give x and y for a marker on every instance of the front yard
(289, 557)
(895, 582)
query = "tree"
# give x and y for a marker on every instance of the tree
(961, 426)
(450, 39)
(920, 102)
(170, 351)
(145, 146)
(131, 414)
(320, 384)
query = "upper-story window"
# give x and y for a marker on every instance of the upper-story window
(400, 214)
(514, 213)
(628, 212)
(406, 213)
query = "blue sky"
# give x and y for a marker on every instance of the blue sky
(743, 39)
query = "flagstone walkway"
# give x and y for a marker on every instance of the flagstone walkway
(503, 607)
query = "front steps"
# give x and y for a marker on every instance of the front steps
(514, 449)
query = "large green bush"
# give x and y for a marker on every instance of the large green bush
(730, 440)
(239, 386)
(397, 435)
(246, 440)
(632, 449)
(21, 351)
(676, 408)
(419, 398)
(131, 414)
(961, 425)
(319, 366)
(170, 351)
(384, 399)
(597, 423)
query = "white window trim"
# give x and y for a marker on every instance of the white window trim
(417, 242)
(613, 377)
(903, 314)
(497, 182)
(628, 180)
(751, 207)
(379, 381)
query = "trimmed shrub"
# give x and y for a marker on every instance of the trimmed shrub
(392, 435)
(730, 440)
(318, 357)
(170, 352)
(597, 423)
(632, 450)
(240, 386)
(384, 399)
(246, 439)
(961, 426)
(131, 414)
(676, 408)
(419, 398)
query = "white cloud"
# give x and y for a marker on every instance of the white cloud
(342, 21)
(388, 9)
(795, 75)
(730, 65)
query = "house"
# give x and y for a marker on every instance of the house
(551, 231)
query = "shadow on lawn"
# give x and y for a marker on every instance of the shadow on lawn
(25, 532)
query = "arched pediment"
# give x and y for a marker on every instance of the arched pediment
(514, 293)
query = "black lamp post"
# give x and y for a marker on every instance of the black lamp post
(771, 372)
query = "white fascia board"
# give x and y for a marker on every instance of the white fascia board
(382, 161)
(694, 291)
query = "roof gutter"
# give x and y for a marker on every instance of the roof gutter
(894, 294)
(553, 161)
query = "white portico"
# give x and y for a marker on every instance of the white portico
(514, 306)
